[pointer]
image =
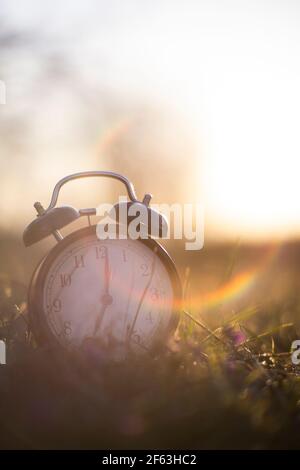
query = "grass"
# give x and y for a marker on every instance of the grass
(225, 380)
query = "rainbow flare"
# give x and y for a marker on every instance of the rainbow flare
(238, 284)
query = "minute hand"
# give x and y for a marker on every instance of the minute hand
(106, 274)
(142, 299)
(106, 299)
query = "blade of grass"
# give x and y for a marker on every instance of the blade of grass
(242, 315)
(268, 333)
(202, 325)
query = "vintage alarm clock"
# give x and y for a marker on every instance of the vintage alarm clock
(121, 295)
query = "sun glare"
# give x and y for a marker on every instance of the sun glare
(229, 70)
(240, 85)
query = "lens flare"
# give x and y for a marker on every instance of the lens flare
(238, 285)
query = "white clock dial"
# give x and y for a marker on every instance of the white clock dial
(115, 292)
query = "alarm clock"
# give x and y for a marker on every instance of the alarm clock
(121, 295)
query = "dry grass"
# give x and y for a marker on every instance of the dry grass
(225, 381)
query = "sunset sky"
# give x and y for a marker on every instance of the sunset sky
(211, 86)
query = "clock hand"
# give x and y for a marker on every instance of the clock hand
(106, 273)
(142, 299)
(126, 326)
(106, 299)
(100, 318)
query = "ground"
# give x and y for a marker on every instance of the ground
(226, 379)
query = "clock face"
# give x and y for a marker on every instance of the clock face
(116, 293)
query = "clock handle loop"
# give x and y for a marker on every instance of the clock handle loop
(86, 174)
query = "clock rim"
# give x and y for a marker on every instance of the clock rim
(37, 316)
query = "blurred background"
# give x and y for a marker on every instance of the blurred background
(194, 101)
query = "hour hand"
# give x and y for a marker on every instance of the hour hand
(106, 300)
